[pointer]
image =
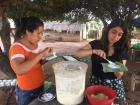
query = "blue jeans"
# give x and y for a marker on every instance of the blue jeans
(24, 97)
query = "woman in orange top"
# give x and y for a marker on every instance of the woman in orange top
(25, 59)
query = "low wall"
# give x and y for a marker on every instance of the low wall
(62, 36)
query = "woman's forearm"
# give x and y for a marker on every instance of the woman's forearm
(83, 53)
(22, 66)
(25, 66)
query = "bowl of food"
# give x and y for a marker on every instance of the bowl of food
(100, 95)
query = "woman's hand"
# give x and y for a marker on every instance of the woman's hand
(118, 74)
(46, 51)
(99, 52)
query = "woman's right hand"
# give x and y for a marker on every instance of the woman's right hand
(46, 51)
(99, 52)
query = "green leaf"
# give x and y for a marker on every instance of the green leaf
(107, 68)
(47, 84)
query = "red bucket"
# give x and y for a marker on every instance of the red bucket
(95, 89)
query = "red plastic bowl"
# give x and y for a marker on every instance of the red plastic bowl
(95, 89)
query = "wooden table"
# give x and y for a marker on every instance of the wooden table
(53, 102)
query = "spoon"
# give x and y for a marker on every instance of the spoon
(110, 62)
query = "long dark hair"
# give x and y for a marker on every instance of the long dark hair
(120, 45)
(27, 24)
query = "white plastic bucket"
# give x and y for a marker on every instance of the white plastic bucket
(70, 81)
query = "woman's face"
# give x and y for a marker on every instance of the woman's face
(35, 36)
(115, 35)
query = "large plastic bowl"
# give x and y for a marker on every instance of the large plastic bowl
(95, 89)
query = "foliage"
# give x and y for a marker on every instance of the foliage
(92, 34)
(81, 9)
(81, 15)
(13, 11)
(76, 10)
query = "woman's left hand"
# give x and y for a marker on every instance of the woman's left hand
(119, 74)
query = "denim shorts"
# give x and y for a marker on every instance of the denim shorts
(24, 97)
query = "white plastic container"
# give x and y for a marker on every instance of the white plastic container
(70, 81)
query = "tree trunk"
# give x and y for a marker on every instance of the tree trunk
(5, 66)
(5, 35)
(5, 38)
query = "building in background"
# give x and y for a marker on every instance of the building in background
(65, 31)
